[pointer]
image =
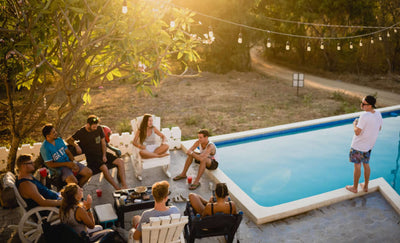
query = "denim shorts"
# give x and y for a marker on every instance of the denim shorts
(356, 156)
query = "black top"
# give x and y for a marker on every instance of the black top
(230, 208)
(90, 142)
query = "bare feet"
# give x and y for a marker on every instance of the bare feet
(365, 188)
(124, 187)
(352, 189)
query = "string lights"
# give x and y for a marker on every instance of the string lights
(378, 30)
(240, 39)
(269, 43)
(124, 7)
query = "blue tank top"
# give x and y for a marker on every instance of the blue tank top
(43, 190)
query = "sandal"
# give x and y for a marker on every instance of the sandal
(177, 199)
(179, 177)
(194, 186)
(183, 198)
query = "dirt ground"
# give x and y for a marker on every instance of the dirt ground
(221, 103)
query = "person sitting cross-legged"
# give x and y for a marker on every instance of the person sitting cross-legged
(145, 140)
(218, 204)
(160, 191)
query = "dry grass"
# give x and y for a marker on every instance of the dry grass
(221, 103)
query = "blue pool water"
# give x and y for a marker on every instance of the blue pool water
(285, 166)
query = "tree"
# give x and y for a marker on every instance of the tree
(54, 52)
(224, 53)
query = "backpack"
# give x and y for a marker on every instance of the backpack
(7, 195)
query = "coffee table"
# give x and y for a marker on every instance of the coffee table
(130, 205)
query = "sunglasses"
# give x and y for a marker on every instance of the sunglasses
(364, 104)
(28, 163)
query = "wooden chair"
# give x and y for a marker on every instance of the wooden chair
(214, 225)
(30, 225)
(139, 164)
(162, 229)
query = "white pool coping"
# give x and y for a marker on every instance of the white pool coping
(260, 214)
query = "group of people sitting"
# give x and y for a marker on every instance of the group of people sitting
(57, 155)
(77, 213)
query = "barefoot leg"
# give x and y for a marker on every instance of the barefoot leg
(352, 189)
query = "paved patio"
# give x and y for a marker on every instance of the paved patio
(368, 218)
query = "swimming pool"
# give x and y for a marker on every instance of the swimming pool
(288, 165)
(243, 193)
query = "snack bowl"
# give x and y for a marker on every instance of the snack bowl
(140, 189)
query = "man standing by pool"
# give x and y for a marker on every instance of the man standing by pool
(206, 158)
(366, 130)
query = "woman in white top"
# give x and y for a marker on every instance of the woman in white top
(146, 140)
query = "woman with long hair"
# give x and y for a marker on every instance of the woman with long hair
(78, 214)
(219, 203)
(146, 140)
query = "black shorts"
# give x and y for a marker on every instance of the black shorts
(94, 162)
(213, 166)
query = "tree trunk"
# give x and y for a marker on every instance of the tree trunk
(12, 154)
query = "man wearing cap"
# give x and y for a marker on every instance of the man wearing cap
(366, 130)
(92, 143)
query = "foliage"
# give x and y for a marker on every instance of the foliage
(54, 52)
(380, 57)
(225, 53)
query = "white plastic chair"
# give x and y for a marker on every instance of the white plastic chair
(138, 163)
(30, 225)
(162, 229)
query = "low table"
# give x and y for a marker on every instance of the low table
(130, 205)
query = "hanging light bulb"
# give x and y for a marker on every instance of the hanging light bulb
(124, 7)
(351, 45)
(372, 40)
(308, 46)
(210, 32)
(287, 46)
(268, 43)
(395, 30)
(380, 38)
(322, 46)
(240, 39)
(361, 44)
(388, 34)
(338, 47)
(172, 24)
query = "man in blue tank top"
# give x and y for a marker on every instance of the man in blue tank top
(32, 191)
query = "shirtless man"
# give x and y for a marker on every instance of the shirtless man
(206, 158)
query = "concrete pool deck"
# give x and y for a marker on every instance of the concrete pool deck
(260, 214)
(369, 218)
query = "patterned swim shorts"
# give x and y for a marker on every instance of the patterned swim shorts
(356, 156)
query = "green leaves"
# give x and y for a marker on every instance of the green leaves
(87, 99)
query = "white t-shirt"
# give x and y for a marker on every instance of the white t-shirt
(370, 125)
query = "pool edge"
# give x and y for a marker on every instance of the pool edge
(260, 214)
